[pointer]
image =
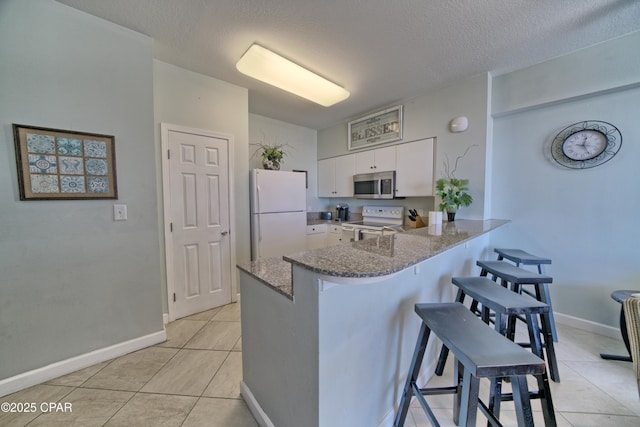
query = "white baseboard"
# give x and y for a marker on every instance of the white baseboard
(255, 408)
(588, 325)
(63, 367)
(165, 318)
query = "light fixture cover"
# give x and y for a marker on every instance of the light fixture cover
(459, 124)
(271, 68)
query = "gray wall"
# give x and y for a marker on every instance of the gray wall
(185, 98)
(428, 116)
(585, 220)
(300, 148)
(73, 280)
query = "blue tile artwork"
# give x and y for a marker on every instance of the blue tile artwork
(42, 164)
(96, 166)
(58, 164)
(95, 148)
(72, 184)
(71, 166)
(69, 146)
(37, 143)
(44, 184)
(97, 184)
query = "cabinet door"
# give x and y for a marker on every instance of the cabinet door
(379, 160)
(414, 169)
(315, 241)
(334, 236)
(365, 162)
(326, 178)
(385, 159)
(345, 167)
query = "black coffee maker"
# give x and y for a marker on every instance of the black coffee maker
(342, 212)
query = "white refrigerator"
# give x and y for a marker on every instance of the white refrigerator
(278, 213)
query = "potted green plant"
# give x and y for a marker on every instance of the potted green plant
(272, 155)
(453, 194)
(452, 191)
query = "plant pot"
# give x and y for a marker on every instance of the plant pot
(270, 165)
(451, 216)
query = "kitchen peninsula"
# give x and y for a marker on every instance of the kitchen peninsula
(328, 334)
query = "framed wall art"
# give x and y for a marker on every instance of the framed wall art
(377, 128)
(64, 165)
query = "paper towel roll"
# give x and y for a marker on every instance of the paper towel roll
(435, 217)
(435, 229)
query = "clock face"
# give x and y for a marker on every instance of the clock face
(584, 145)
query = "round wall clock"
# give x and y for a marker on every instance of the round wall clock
(586, 144)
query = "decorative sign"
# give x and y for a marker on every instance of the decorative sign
(57, 164)
(377, 128)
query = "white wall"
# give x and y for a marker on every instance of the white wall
(584, 220)
(185, 98)
(428, 116)
(73, 280)
(300, 146)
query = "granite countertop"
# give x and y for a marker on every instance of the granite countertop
(373, 257)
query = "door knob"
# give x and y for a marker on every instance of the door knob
(224, 232)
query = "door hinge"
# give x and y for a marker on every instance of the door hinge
(174, 297)
(171, 227)
(168, 154)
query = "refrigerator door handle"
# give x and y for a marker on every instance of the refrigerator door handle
(257, 199)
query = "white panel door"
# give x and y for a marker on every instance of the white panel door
(200, 245)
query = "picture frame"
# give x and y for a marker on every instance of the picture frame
(377, 128)
(56, 164)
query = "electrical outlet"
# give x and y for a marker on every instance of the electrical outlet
(119, 212)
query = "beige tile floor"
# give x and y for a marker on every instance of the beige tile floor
(193, 378)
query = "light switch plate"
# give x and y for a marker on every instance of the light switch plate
(119, 212)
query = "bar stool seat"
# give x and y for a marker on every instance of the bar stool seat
(517, 277)
(518, 256)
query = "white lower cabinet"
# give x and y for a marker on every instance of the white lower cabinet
(334, 236)
(316, 236)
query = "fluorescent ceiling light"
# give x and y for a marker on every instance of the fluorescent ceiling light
(271, 68)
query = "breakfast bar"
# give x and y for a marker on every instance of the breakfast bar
(328, 334)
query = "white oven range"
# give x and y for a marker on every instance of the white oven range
(376, 221)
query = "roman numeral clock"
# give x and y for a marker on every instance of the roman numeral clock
(586, 144)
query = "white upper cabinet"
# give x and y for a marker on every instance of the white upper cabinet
(379, 160)
(335, 176)
(414, 169)
(413, 163)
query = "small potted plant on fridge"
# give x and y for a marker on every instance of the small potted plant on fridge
(272, 154)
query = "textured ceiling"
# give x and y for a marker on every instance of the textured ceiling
(381, 51)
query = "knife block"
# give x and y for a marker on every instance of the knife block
(418, 223)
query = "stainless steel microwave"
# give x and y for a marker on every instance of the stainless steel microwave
(379, 185)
